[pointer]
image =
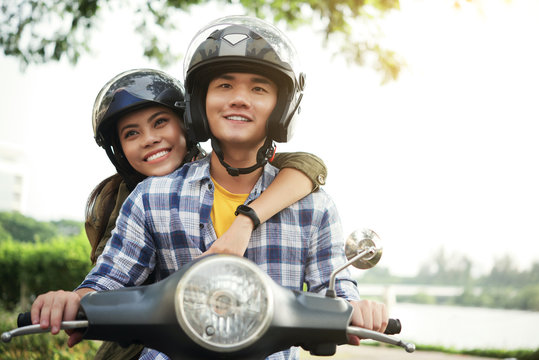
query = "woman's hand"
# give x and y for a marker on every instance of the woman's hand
(235, 240)
(50, 309)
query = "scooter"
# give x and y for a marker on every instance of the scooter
(223, 306)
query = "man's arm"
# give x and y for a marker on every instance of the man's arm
(127, 258)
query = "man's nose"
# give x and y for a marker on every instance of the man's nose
(240, 98)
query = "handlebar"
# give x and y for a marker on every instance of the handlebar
(374, 335)
(393, 325)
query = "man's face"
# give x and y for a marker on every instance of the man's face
(238, 106)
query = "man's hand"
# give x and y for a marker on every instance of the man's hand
(235, 240)
(50, 309)
(370, 315)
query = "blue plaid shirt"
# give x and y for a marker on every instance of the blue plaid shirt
(165, 223)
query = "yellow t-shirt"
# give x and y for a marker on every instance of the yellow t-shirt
(224, 206)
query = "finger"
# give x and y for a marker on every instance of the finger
(57, 313)
(44, 316)
(74, 338)
(71, 307)
(353, 340)
(35, 311)
(377, 317)
(385, 318)
(367, 311)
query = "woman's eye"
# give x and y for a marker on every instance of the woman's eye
(160, 121)
(130, 133)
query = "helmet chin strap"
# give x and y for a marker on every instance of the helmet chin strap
(266, 152)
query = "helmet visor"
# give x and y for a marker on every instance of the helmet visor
(279, 42)
(131, 89)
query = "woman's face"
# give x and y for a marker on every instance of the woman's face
(152, 140)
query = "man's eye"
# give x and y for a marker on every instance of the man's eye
(259, 89)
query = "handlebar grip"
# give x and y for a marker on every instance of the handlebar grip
(24, 319)
(393, 327)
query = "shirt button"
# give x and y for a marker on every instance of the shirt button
(322, 179)
(201, 226)
(210, 186)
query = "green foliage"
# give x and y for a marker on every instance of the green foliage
(35, 268)
(42, 31)
(504, 287)
(491, 353)
(527, 298)
(41, 346)
(25, 229)
(454, 269)
(419, 298)
(4, 234)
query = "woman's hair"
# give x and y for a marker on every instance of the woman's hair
(99, 207)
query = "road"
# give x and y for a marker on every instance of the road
(388, 353)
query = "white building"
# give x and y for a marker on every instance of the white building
(12, 178)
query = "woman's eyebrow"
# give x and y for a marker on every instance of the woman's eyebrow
(156, 115)
(128, 126)
(135, 125)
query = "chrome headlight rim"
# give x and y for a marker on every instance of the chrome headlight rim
(265, 281)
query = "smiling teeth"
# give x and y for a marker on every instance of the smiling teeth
(237, 118)
(158, 155)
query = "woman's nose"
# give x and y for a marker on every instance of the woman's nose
(150, 138)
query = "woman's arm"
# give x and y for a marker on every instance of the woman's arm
(301, 174)
(309, 164)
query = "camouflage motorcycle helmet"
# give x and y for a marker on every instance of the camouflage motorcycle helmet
(130, 91)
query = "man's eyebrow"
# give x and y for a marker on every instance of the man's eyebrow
(261, 80)
(255, 79)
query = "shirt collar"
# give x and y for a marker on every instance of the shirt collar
(200, 171)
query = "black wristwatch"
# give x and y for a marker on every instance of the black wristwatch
(249, 212)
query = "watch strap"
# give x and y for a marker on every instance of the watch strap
(250, 213)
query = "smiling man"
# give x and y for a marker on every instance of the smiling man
(243, 91)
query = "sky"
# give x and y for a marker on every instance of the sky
(444, 157)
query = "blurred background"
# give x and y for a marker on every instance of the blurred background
(424, 112)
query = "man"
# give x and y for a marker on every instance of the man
(243, 92)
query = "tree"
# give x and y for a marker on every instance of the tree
(25, 229)
(441, 268)
(40, 31)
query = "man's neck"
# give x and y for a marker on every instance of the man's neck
(242, 184)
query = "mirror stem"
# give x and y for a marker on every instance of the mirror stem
(370, 251)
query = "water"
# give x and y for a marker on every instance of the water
(467, 327)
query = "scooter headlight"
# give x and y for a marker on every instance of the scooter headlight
(224, 303)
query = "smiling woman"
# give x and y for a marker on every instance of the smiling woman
(153, 140)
